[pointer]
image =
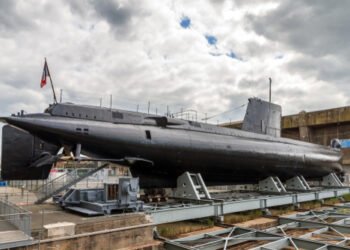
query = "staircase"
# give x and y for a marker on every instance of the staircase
(63, 182)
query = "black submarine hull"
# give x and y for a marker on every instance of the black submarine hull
(223, 156)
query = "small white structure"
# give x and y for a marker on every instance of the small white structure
(60, 229)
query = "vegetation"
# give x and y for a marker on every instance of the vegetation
(276, 211)
(331, 201)
(172, 230)
(310, 205)
(243, 216)
(346, 197)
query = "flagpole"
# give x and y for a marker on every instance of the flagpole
(53, 89)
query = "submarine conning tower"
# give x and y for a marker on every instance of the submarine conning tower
(263, 117)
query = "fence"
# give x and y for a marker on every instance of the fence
(16, 216)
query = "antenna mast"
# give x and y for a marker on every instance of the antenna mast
(270, 83)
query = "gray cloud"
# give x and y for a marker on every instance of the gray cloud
(123, 17)
(248, 83)
(317, 36)
(79, 7)
(330, 69)
(137, 51)
(316, 28)
(12, 20)
(113, 12)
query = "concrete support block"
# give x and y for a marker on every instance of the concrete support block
(60, 229)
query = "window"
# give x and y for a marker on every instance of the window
(78, 130)
(148, 134)
(117, 115)
(195, 124)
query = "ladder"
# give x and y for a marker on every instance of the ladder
(191, 186)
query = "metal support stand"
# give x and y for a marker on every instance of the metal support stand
(272, 184)
(78, 151)
(266, 212)
(219, 219)
(331, 180)
(191, 186)
(297, 183)
(96, 201)
(296, 206)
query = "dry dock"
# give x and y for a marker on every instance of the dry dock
(51, 227)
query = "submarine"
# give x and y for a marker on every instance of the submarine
(158, 149)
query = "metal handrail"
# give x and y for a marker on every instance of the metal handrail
(14, 206)
(15, 215)
(58, 178)
(69, 179)
(64, 176)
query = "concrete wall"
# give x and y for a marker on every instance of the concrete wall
(137, 237)
(107, 223)
(124, 231)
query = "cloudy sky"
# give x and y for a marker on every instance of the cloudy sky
(209, 56)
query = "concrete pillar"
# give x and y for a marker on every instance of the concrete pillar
(304, 130)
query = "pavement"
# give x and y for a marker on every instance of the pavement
(13, 236)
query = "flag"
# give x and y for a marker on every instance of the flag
(46, 73)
